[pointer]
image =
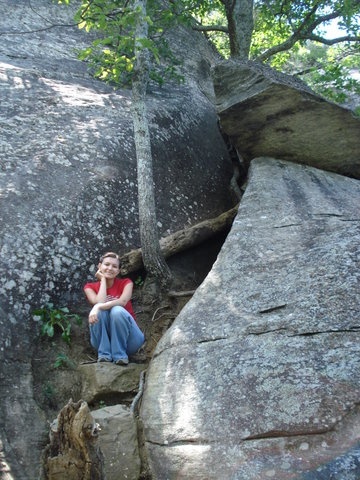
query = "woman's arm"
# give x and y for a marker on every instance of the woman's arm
(122, 301)
(99, 297)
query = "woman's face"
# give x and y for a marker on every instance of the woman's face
(109, 267)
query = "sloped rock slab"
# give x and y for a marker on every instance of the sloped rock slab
(259, 376)
(266, 113)
(118, 442)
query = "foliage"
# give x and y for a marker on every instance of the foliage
(292, 37)
(111, 55)
(330, 71)
(208, 16)
(56, 318)
(267, 33)
(49, 394)
(63, 361)
(287, 34)
(308, 18)
(282, 34)
(139, 281)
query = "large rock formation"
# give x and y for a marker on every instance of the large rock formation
(259, 376)
(266, 113)
(68, 183)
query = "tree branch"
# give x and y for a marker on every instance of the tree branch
(281, 47)
(304, 32)
(210, 28)
(333, 41)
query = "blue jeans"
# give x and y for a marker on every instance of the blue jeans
(116, 334)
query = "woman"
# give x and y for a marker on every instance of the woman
(113, 329)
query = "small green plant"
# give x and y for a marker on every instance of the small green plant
(63, 361)
(139, 282)
(53, 318)
(49, 393)
(357, 112)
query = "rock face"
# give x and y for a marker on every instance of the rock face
(118, 442)
(68, 184)
(266, 113)
(261, 370)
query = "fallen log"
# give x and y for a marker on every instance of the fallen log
(181, 240)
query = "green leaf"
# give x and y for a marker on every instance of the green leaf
(276, 21)
(49, 330)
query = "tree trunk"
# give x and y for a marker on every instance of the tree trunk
(181, 240)
(154, 261)
(72, 453)
(240, 18)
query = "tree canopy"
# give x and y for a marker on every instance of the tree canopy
(317, 40)
(292, 36)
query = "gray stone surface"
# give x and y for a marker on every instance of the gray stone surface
(118, 442)
(107, 380)
(258, 377)
(68, 184)
(266, 113)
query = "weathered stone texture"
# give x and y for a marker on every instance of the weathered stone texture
(266, 113)
(258, 377)
(102, 380)
(118, 442)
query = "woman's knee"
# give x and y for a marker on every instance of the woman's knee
(102, 316)
(117, 312)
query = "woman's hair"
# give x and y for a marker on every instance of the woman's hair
(110, 254)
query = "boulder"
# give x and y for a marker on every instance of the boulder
(118, 442)
(259, 375)
(107, 380)
(266, 113)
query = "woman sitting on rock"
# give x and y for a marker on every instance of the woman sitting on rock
(113, 329)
